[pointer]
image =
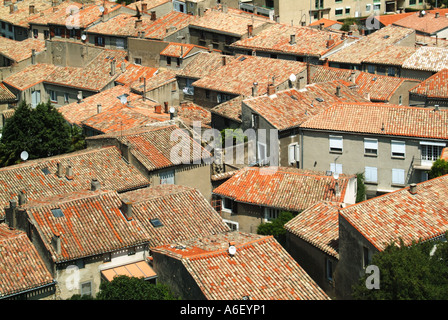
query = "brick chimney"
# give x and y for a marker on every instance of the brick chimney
(158, 108)
(11, 8)
(223, 60)
(31, 9)
(271, 89)
(292, 39)
(22, 197)
(144, 7)
(153, 16)
(413, 188)
(166, 108)
(250, 30)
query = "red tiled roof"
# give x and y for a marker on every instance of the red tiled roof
(134, 73)
(392, 55)
(20, 50)
(400, 214)
(230, 109)
(435, 86)
(261, 269)
(104, 164)
(289, 108)
(382, 119)
(168, 25)
(152, 145)
(428, 23)
(203, 64)
(327, 22)
(388, 19)
(425, 58)
(183, 211)
(22, 268)
(21, 16)
(190, 113)
(241, 73)
(356, 52)
(276, 187)
(6, 94)
(30, 76)
(276, 38)
(91, 224)
(159, 79)
(179, 50)
(319, 226)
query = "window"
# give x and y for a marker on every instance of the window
(99, 41)
(398, 148)
(167, 177)
(221, 97)
(370, 146)
(319, 4)
(188, 89)
(336, 144)
(178, 62)
(73, 33)
(368, 7)
(262, 152)
(336, 168)
(391, 71)
(400, 100)
(138, 61)
(227, 204)
(273, 56)
(66, 97)
(234, 226)
(254, 121)
(53, 96)
(412, 2)
(168, 61)
(398, 176)
(46, 34)
(371, 174)
(347, 10)
(377, 7)
(107, 257)
(86, 289)
(338, 11)
(57, 213)
(156, 223)
(293, 153)
(57, 31)
(271, 214)
(365, 257)
(431, 151)
(119, 43)
(207, 94)
(329, 269)
(371, 69)
(35, 33)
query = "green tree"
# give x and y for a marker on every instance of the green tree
(360, 188)
(42, 132)
(276, 227)
(438, 168)
(131, 288)
(409, 273)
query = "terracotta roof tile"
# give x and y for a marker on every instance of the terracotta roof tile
(431, 59)
(435, 86)
(6, 94)
(259, 270)
(319, 226)
(190, 113)
(104, 164)
(168, 25)
(356, 52)
(159, 79)
(241, 73)
(276, 38)
(326, 23)
(427, 23)
(21, 15)
(179, 50)
(20, 50)
(391, 55)
(21, 268)
(29, 76)
(388, 19)
(230, 109)
(400, 214)
(278, 185)
(289, 108)
(134, 73)
(382, 119)
(203, 64)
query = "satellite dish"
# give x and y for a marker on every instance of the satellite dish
(83, 37)
(123, 100)
(423, 12)
(24, 155)
(292, 78)
(336, 175)
(101, 8)
(172, 110)
(232, 250)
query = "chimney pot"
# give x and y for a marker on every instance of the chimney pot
(112, 67)
(158, 108)
(165, 104)
(223, 60)
(56, 242)
(271, 89)
(250, 29)
(31, 9)
(138, 23)
(153, 16)
(437, 14)
(126, 208)
(69, 172)
(338, 91)
(292, 39)
(413, 188)
(144, 7)
(98, 108)
(59, 170)
(255, 89)
(95, 185)
(22, 197)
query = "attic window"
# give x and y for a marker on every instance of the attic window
(320, 99)
(386, 36)
(293, 97)
(242, 58)
(57, 212)
(45, 170)
(156, 223)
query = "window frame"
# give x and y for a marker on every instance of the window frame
(369, 142)
(397, 155)
(401, 182)
(367, 177)
(53, 96)
(336, 149)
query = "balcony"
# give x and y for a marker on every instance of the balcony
(268, 12)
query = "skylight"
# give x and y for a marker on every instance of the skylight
(45, 170)
(57, 212)
(156, 222)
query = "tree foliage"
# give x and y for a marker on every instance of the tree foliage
(42, 132)
(276, 227)
(409, 273)
(438, 168)
(360, 188)
(131, 288)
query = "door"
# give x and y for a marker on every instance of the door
(35, 98)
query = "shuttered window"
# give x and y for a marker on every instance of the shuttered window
(398, 148)
(371, 174)
(398, 176)
(370, 146)
(336, 143)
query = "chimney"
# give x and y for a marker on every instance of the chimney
(112, 67)
(95, 185)
(11, 8)
(210, 47)
(59, 170)
(413, 188)
(79, 96)
(138, 23)
(10, 213)
(352, 77)
(437, 14)
(343, 36)
(22, 197)
(299, 83)
(69, 172)
(330, 43)
(271, 89)
(98, 108)
(337, 190)
(153, 16)
(33, 56)
(250, 29)
(123, 66)
(255, 89)
(292, 39)
(436, 107)
(321, 26)
(223, 60)
(126, 208)
(56, 243)
(338, 91)
(145, 7)
(31, 9)
(166, 108)
(158, 108)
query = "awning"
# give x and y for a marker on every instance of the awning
(138, 269)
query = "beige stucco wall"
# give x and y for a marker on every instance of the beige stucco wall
(316, 156)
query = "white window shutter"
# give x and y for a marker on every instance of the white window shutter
(398, 176)
(371, 174)
(371, 144)
(291, 155)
